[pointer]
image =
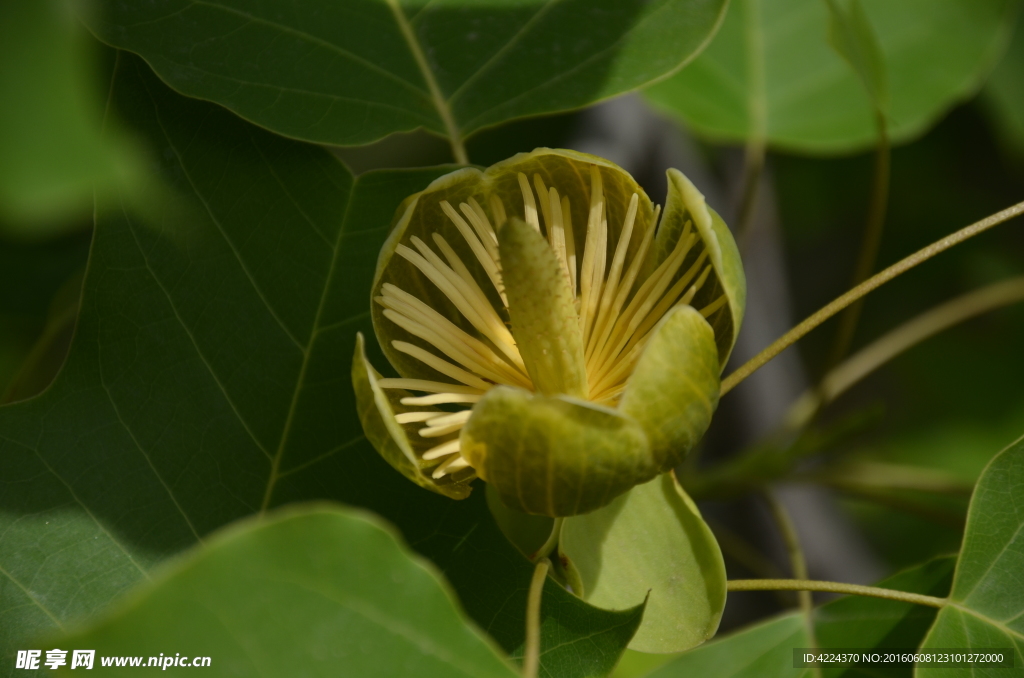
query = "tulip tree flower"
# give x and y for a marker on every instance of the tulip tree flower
(553, 336)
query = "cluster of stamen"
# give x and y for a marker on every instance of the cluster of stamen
(616, 314)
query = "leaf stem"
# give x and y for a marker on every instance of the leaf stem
(891, 344)
(436, 96)
(798, 563)
(531, 657)
(753, 167)
(834, 587)
(869, 285)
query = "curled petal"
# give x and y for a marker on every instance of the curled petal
(673, 390)
(377, 410)
(556, 455)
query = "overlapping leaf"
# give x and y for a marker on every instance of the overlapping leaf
(209, 380)
(316, 611)
(986, 609)
(352, 72)
(766, 649)
(770, 71)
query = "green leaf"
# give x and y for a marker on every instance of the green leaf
(857, 621)
(53, 153)
(335, 590)
(766, 649)
(770, 72)
(851, 34)
(651, 543)
(1004, 93)
(761, 651)
(353, 72)
(209, 377)
(985, 607)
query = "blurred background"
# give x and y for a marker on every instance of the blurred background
(947, 404)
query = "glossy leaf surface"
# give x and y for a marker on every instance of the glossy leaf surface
(317, 611)
(770, 71)
(766, 649)
(986, 610)
(650, 544)
(353, 72)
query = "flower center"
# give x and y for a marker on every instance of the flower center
(616, 312)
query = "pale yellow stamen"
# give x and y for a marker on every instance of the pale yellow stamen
(545, 206)
(718, 303)
(594, 252)
(442, 450)
(414, 417)
(612, 285)
(570, 243)
(489, 264)
(529, 203)
(442, 366)
(453, 465)
(427, 386)
(438, 431)
(445, 419)
(617, 321)
(442, 399)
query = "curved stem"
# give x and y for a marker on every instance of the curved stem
(869, 247)
(437, 97)
(869, 285)
(753, 166)
(798, 563)
(531, 657)
(907, 335)
(833, 587)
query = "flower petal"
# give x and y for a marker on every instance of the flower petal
(377, 414)
(673, 390)
(724, 294)
(554, 456)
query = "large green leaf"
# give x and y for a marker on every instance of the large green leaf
(766, 649)
(1004, 92)
(770, 71)
(306, 591)
(352, 72)
(856, 621)
(209, 380)
(986, 605)
(52, 154)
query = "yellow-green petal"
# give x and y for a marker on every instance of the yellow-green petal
(554, 456)
(651, 540)
(686, 204)
(673, 390)
(544, 321)
(377, 409)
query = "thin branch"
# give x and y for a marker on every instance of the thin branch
(834, 587)
(753, 167)
(873, 228)
(798, 563)
(531, 657)
(864, 288)
(907, 335)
